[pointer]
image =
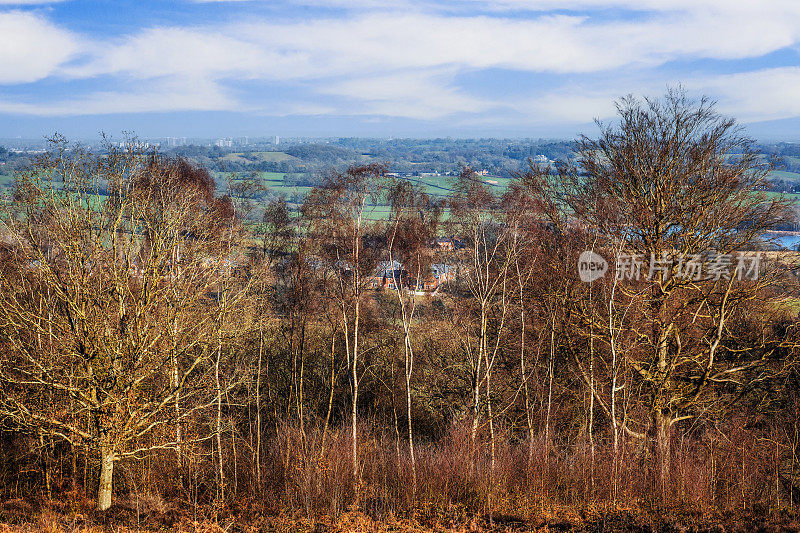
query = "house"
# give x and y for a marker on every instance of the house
(447, 243)
(440, 274)
(443, 243)
(385, 275)
(388, 274)
(443, 273)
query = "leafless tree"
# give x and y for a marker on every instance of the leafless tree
(105, 315)
(410, 232)
(671, 180)
(338, 214)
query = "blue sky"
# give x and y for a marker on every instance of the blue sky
(520, 68)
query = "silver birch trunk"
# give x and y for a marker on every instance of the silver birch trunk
(105, 487)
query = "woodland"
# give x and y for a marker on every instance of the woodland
(172, 356)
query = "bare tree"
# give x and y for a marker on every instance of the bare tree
(411, 231)
(673, 180)
(487, 279)
(115, 257)
(338, 213)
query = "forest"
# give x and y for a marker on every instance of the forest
(173, 357)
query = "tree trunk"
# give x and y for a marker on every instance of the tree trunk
(44, 455)
(355, 404)
(330, 395)
(662, 425)
(106, 477)
(219, 420)
(355, 438)
(590, 429)
(546, 466)
(409, 362)
(528, 418)
(257, 452)
(177, 406)
(476, 395)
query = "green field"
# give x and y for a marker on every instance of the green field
(273, 176)
(784, 175)
(257, 157)
(788, 195)
(437, 186)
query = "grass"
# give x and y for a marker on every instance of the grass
(783, 195)
(290, 191)
(437, 186)
(276, 177)
(784, 175)
(273, 176)
(6, 180)
(257, 157)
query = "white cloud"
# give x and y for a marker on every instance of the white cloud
(162, 96)
(402, 58)
(418, 95)
(157, 52)
(383, 42)
(766, 94)
(31, 48)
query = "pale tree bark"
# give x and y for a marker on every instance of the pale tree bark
(354, 355)
(521, 287)
(487, 282)
(337, 215)
(551, 362)
(614, 372)
(590, 424)
(218, 427)
(407, 301)
(257, 451)
(330, 393)
(105, 486)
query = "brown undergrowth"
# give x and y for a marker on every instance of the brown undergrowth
(79, 516)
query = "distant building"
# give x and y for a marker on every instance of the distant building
(447, 243)
(390, 275)
(174, 141)
(385, 275)
(443, 243)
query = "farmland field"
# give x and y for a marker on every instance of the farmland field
(784, 175)
(257, 157)
(790, 195)
(438, 187)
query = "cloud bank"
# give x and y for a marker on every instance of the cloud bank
(409, 59)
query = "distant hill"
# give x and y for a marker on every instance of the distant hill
(257, 157)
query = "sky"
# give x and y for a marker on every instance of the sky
(387, 68)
